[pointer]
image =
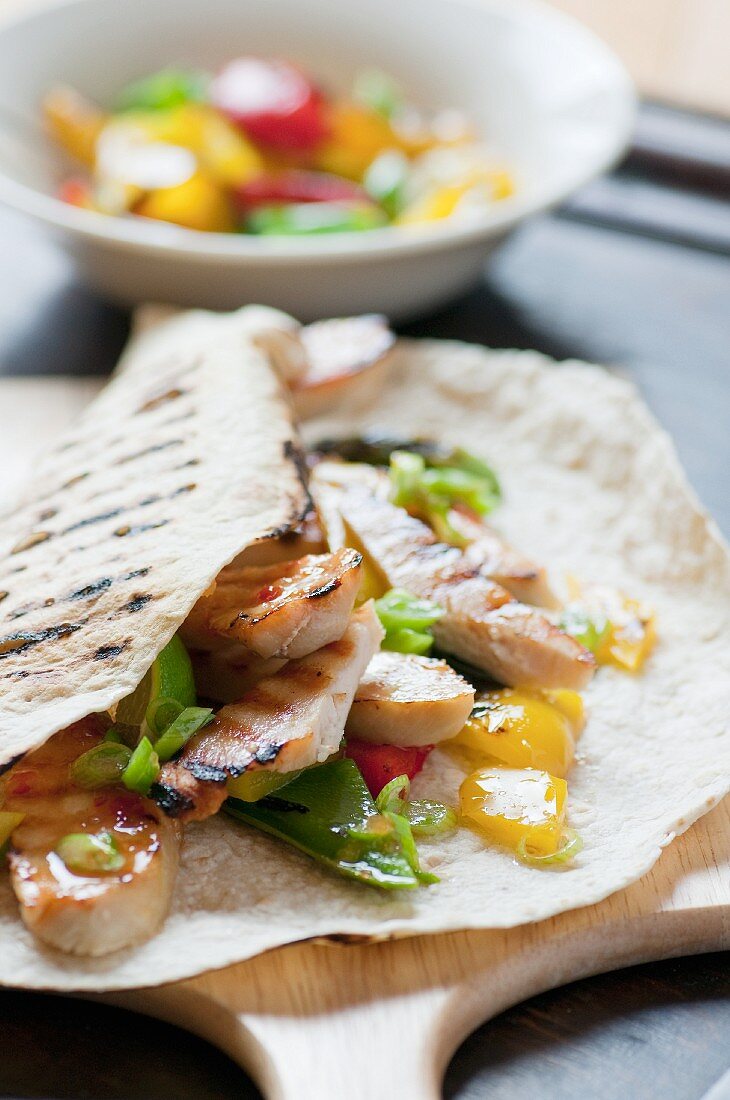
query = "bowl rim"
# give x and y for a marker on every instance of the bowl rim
(140, 235)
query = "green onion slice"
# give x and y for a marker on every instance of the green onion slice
(385, 180)
(90, 854)
(406, 471)
(408, 641)
(378, 91)
(394, 795)
(570, 846)
(428, 486)
(167, 88)
(328, 812)
(170, 676)
(101, 766)
(180, 730)
(161, 713)
(427, 817)
(398, 609)
(142, 769)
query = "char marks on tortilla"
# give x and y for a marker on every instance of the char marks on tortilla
(186, 458)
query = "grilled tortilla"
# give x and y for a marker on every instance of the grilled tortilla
(592, 487)
(185, 459)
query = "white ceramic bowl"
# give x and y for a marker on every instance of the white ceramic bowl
(541, 87)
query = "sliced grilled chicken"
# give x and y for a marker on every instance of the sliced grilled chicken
(523, 578)
(98, 913)
(226, 674)
(482, 624)
(284, 610)
(287, 721)
(328, 360)
(407, 700)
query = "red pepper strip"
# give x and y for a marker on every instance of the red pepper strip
(297, 186)
(381, 763)
(272, 101)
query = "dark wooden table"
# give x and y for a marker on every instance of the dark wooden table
(633, 273)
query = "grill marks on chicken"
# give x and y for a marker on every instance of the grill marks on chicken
(482, 624)
(287, 609)
(86, 914)
(523, 578)
(287, 721)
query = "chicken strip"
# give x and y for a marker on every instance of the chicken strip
(407, 700)
(522, 577)
(87, 914)
(323, 362)
(225, 674)
(287, 721)
(484, 547)
(287, 610)
(482, 624)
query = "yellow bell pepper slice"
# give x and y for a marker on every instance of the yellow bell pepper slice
(222, 151)
(631, 633)
(74, 122)
(357, 136)
(255, 785)
(525, 729)
(198, 203)
(516, 806)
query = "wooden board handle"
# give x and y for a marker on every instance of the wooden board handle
(319, 1022)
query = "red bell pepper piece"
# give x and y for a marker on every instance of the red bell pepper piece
(295, 185)
(272, 101)
(381, 763)
(76, 192)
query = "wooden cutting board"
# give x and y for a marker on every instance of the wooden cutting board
(333, 1021)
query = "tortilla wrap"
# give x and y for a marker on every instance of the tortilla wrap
(592, 487)
(187, 457)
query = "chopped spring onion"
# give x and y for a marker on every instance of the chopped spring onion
(162, 90)
(378, 91)
(404, 834)
(385, 180)
(571, 845)
(296, 219)
(429, 489)
(101, 766)
(427, 817)
(406, 472)
(180, 730)
(589, 628)
(170, 676)
(142, 769)
(90, 854)
(399, 609)
(328, 812)
(394, 795)
(406, 620)
(161, 713)
(408, 641)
